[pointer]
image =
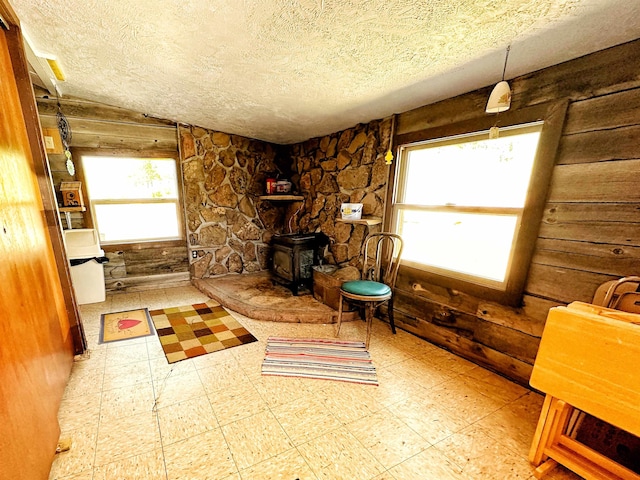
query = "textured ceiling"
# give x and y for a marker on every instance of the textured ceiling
(288, 70)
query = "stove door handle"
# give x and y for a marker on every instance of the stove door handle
(279, 269)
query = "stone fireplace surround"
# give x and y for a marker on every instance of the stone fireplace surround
(229, 227)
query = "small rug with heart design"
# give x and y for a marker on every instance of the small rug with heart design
(192, 330)
(125, 325)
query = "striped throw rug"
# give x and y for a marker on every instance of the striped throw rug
(338, 360)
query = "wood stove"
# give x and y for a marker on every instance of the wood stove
(292, 257)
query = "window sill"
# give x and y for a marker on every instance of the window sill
(511, 298)
(115, 247)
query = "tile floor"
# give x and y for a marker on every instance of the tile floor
(434, 416)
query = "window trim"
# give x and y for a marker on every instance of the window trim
(553, 115)
(124, 153)
(398, 208)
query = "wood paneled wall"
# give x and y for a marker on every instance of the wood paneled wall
(97, 126)
(590, 232)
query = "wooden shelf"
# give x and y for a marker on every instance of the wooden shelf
(72, 209)
(369, 221)
(282, 198)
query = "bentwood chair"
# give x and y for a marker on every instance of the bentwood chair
(380, 261)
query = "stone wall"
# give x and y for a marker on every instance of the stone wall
(344, 167)
(228, 227)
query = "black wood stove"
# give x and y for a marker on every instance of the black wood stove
(292, 259)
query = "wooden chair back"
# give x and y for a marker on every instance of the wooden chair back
(622, 294)
(381, 257)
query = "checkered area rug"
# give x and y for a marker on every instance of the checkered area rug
(192, 330)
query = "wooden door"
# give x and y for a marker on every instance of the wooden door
(36, 348)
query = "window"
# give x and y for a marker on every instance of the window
(133, 199)
(468, 207)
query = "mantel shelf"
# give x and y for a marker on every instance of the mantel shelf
(282, 198)
(369, 221)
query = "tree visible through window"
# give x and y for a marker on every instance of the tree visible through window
(133, 199)
(459, 203)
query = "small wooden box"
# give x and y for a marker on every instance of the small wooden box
(326, 289)
(71, 194)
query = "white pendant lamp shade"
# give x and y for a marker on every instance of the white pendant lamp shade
(500, 98)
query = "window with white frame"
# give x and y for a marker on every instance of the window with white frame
(459, 203)
(133, 199)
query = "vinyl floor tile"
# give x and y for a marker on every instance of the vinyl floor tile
(338, 455)
(236, 402)
(393, 388)
(94, 357)
(80, 456)
(387, 438)
(449, 361)
(221, 375)
(217, 418)
(121, 354)
(255, 439)
(463, 401)
(126, 401)
(431, 421)
(161, 369)
(515, 423)
(384, 476)
(482, 459)
(348, 402)
(86, 475)
(201, 457)
(78, 412)
(146, 466)
(84, 381)
(214, 359)
(279, 390)
(175, 389)
(289, 465)
(420, 372)
(305, 418)
(429, 464)
(186, 419)
(386, 354)
(493, 385)
(121, 375)
(126, 437)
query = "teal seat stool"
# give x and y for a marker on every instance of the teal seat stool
(380, 257)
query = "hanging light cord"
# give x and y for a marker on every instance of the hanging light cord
(504, 70)
(63, 127)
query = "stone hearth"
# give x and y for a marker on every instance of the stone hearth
(257, 296)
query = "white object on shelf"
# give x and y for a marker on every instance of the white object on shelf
(351, 211)
(81, 243)
(283, 186)
(88, 277)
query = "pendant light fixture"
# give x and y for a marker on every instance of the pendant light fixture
(500, 98)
